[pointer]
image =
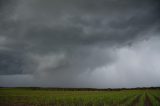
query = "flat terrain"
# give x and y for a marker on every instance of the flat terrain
(53, 97)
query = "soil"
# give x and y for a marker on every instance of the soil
(147, 101)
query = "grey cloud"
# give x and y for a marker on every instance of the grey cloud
(10, 63)
(62, 42)
(118, 24)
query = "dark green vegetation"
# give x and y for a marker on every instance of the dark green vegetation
(78, 97)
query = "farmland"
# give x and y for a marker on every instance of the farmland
(53, 97)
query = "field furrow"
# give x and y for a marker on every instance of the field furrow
(125, 100)
(135, 101)
(147, 100)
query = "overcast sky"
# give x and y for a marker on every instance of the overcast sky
(80, 43)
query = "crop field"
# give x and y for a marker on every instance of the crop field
(48, 97)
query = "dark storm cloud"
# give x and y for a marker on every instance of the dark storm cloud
(63, 42)
(10, 62)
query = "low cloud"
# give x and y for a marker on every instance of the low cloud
(87, 43)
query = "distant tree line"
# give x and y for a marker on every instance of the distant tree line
(83, 89)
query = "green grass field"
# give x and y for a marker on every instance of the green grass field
(47, 97)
